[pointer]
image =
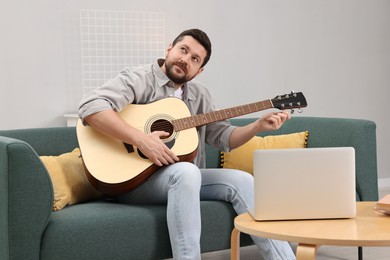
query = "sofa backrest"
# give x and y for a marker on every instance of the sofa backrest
(46, 141)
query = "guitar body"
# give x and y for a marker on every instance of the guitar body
(114, 167)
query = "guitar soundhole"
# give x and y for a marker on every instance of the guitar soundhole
(162, 125)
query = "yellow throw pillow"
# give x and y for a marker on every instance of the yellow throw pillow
(70, 183)
(241, 158)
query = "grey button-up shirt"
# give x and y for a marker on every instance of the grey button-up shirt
(148, 83)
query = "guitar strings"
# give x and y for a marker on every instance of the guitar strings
(160, 126)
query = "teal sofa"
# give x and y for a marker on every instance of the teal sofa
(105, 229)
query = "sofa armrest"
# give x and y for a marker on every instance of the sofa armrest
(26, 200)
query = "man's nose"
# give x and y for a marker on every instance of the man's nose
(185, 58)
(184, 61)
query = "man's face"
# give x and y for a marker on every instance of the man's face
(184, 60)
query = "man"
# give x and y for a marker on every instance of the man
(181, 184)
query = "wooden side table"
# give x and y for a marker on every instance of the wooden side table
(368, 228)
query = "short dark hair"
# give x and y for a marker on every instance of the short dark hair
(199, 36)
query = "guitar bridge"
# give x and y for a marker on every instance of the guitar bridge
(129, 148)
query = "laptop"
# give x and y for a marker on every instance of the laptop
(308, 183)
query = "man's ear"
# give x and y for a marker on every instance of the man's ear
(199, 71)
(169, 48)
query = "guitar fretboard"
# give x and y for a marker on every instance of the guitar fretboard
(219, 115)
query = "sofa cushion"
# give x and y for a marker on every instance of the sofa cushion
(241, 158)
(104, 229)
(69, 180)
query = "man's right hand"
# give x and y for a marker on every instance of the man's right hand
(155, 149)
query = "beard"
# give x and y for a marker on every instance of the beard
(174, 77)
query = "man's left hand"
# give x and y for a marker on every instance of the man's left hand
(273, 121)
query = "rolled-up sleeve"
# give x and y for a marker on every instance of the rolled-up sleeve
(218, 135)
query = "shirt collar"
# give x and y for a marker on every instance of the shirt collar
(162, 79)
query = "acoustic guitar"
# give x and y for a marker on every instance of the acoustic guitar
(114, 167)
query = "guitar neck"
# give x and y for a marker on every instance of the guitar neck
(219, 115)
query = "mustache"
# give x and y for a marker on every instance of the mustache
(182, 65)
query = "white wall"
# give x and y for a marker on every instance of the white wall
(335, 51)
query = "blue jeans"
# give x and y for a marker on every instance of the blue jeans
(181, 186)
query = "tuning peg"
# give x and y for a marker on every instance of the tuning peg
(292, 111)
(300, 110)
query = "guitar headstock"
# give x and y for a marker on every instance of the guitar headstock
(289, 101)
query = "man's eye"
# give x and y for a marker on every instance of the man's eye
(195, 59)
(183, 50)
